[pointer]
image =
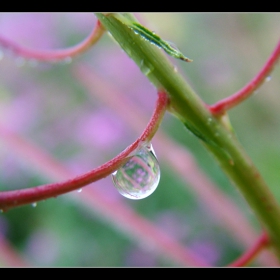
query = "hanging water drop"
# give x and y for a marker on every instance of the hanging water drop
(139, 177)
(66, 60)
(268, 78)
(79, 190)
(34, 204)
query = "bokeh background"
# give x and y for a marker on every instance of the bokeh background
(80, 112)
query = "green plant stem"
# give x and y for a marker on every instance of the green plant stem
(216, 136)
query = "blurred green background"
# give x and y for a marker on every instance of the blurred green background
(49, 105)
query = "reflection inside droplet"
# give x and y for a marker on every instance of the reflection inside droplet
(139, 177)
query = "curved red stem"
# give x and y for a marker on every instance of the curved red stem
(10, 199)
(54, 55)
(252, 252)
(229, 102)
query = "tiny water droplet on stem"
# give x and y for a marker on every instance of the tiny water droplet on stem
(32, 62)
(67, 60)
(268, 78)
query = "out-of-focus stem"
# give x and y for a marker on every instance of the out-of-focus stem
(252, 253)
(229, 102)
(55, 55)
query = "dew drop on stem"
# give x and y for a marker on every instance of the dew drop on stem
(209, 121)
(66, 60)
(139, 177)
(268, 78)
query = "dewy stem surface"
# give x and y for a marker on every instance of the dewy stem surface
(191, 110)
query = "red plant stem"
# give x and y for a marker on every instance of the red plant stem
(54, 55)
(10, 199)
(177, 158)
(229, 102)
(116, 211)
(248, 256)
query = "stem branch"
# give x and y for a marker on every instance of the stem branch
(55, 55)
(10, 199)
(252, 253)
(191, 110)
(229, 102)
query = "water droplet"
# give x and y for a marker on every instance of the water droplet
(209, 121)
(175, 69)
(1, 55)
(79, 190)
(32, 62)
(172, 45)
(139, 177)
(1, 211)
(34, 204)
(268, 78)
(146, 68)
(67, 60)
